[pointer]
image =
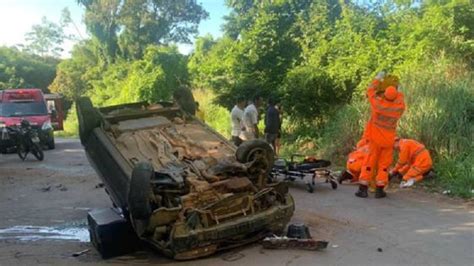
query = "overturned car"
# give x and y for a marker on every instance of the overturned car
(178, 184)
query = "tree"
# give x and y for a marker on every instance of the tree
(74, 76)
(20, 69)
(127, 27)
(319, 54)
(45, 39)
(101, 19)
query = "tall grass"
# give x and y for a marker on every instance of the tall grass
(216, 116)
(71, 125)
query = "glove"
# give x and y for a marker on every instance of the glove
(380, 75)
(406, 184)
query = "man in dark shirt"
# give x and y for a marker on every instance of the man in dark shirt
(272, 123)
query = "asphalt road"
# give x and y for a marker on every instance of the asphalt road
(43, 206)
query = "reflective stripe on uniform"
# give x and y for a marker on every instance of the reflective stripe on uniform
(389, 127)
(389, 109)
(387, 118)
(401, 164)
(416, 169)
(416, 153)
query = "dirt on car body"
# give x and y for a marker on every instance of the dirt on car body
(181, 186)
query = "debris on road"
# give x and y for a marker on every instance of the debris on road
(46, 189)
(284, 242)
(100, 185)
(61, 187)
(379, 249)
(298, 237)
(79, 253)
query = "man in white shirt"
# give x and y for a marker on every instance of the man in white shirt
(251, 120)
(236, 116)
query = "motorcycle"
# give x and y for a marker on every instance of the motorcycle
(26, 140)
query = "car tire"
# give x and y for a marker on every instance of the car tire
(37, 151)
(139, 192)
(88, 118)
(248, 149)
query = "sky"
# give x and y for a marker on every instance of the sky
(18, 16)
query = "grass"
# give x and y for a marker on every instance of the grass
(216, 116)
(71, 126)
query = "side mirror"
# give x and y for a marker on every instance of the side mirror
(54, 114)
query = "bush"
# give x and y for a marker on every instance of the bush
(310, 92)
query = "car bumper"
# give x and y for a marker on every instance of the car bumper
(203, 242)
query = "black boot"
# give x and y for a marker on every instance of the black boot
(429, 175)
(344, 176)
(379, 193)
(362, 192)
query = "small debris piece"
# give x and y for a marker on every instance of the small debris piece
(46, 189)
(335, 246)
(379, 249)
(100, 185)
(277, 242)
(299, 230)
(61, 187)
(79, 253)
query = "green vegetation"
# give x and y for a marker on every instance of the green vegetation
(317, 56)
(320, 56)
(132, 54)
(71, 125)
(20, 69)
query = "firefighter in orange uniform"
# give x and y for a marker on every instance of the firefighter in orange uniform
(414, 161)
(355, 161)
(387, 106)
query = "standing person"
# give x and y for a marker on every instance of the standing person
(386, 110)
(251, 119)
(200, 113)
(414, 161)
(236, 117)
(272, 124)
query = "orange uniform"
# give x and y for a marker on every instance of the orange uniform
(362, 142)
(356, 160)
(414, 160)
(381, 132)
